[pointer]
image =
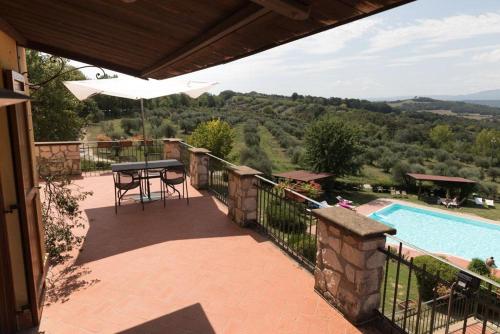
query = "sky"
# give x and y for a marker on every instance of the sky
(428, 47)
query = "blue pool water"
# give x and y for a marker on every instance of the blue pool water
(442, 233)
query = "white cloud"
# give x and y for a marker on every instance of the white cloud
(450, 28)
(488, 57)
(335, 39)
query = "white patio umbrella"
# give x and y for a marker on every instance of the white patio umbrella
(137, 89)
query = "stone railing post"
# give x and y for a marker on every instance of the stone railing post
(349, 266)
(198, 167)
(54, 158)
(242, 197)
(172, 148)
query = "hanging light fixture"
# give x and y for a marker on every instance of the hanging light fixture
(8, 97)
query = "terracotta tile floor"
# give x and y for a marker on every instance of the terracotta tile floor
(179, 269)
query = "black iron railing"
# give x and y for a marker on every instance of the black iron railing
(218, 177)
(185, 155)
(408, 306)
(286, 217)
(97, 156)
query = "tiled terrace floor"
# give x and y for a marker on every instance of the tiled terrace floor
(180, 269)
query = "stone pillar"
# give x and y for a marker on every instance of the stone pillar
(58, 158)
(198, 167)
(242, 197)
(172, 148)
(349, 266)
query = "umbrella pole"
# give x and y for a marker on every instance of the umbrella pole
(145, 147)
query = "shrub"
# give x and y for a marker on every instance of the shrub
(479, 267)
(386, 162)
(289, 218)
(427, 283)
(304, 244)
(216, 136)
(494, 173)
(399, 172)
(487, 189)
(470, 173)
(61, 217)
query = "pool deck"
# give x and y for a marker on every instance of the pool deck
(378, 204)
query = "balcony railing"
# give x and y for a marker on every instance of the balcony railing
(218, 177)
(404, 305)
(184, 154)
(286, 217)
(99, 155)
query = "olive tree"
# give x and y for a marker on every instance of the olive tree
(332, 145)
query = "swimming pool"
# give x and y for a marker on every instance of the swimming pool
(442, 233)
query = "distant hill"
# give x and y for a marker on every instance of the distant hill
(487, 98)
(450, 108)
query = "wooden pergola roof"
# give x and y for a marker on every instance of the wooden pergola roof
(303, 175)
(160, 39)
(439, 178)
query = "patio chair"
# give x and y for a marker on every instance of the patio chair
(478, 201)
(489, 202)
(404, 194)
(171, 177)
(125, 181)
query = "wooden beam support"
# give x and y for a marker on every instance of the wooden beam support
(289, 8)
(11, 31)
(241, 18)
(81, 58)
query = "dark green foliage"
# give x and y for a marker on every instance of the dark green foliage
(479, 267)
(386, 162)
(427, 283)
(55, 109)
(288, 217)
(399, 171)
(487, 189)
(494, 173)
(304, 244)
(332, 145)
(131, 126)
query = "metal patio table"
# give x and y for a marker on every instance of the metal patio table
(146, 166)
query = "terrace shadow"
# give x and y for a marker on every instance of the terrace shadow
(111, 234)
(191, 319)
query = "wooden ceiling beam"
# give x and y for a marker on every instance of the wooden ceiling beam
(12, 32)
(81, 58)
(289, 8)
(241, 18)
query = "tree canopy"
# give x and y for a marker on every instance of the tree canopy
(216, 136)
(332, 145)
(54, 109)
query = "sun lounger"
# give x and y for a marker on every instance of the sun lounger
(453, 203)
(397, 193)
(478, 201)
(345, 205)
(325, 204)
(489, 202)
(341, 199)
(404, 194)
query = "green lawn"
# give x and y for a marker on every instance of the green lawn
(402, 287)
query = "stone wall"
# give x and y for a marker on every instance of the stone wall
(172, 148)
(349, 266)
(242, 197)
(198, 167)
(58, 158)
